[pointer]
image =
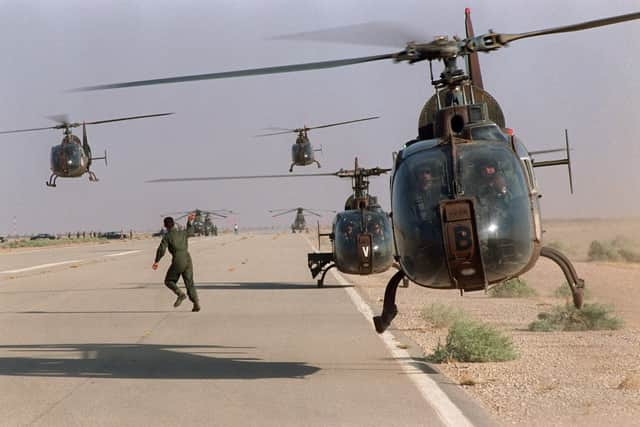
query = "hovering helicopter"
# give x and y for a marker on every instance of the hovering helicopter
(202, 223)
(71, 158)
(464, 199)
(302, 151)
(299, 223)
(361, 234)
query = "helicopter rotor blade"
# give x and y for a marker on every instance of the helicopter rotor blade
(242, 73)
(98, 122)
(285, 212)
(342, 123)
(507, 38)
(312, 212)
(28, 130)
(374, 33)
(279, 131)
(222, 178)
(276, 133)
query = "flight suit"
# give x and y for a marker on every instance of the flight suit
(176, 241)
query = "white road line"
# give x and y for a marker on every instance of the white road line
(37, 267)
(54, 264)
(124, 253)
(448, 412)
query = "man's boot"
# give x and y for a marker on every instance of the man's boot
(196, 306)
(181, 297)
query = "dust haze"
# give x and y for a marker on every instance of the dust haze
(585, 82)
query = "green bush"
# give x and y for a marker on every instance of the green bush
(513, 288)
(441, 316)
(471, 341)
(592, 317)
(618, 249)
(599, 251)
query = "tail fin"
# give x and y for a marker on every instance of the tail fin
(473, 64)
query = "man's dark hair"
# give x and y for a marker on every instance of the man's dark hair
(168, 222)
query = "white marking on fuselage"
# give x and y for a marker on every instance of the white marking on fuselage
(37, 267)
(448, 412)
(124, 253)
(365, 251)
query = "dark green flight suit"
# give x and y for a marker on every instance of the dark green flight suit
(176, 241)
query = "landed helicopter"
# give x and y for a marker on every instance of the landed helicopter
(302, 151)
(202, 223)
(72, 158)
(361, 234)
(464, 200)
(299, 222)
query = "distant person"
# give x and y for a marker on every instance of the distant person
(235, 228)
(177, 242)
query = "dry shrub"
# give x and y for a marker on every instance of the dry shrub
(592, 317)
(472, 341)
(618, 249)
(513, 288)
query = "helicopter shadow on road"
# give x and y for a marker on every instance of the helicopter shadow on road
(144, 361)
(247, 286)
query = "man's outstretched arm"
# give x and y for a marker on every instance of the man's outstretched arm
(162, 248)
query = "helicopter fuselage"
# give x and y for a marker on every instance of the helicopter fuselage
(362, 241)
(69, 158)
(465, 204)
(302, 152)
(299, 223)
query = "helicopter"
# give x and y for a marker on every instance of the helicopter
(299, 223)
(72, 158)
(202, 223)
(361, 238)
(464, 200)
(302, 151)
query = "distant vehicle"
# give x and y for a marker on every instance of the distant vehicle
(1, 239)
(43, 236)
(113, 235)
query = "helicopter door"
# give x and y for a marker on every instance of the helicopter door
(461, 243)
(365, 253)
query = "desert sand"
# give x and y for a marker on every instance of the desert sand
(560, 378)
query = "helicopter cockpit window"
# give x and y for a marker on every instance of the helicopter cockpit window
(66, 159)
(492, 175)
(420, 182)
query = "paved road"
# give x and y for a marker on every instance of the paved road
(88, 336)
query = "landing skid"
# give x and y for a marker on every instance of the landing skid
(92, 176)
(293, 164)
(576, 284)
(389, 308)
(320, 263)
(52, 180)
(405, 279)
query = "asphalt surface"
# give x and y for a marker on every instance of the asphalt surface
(88, 336)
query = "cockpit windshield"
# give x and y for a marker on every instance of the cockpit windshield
(492, 175)
(66, 160)
(489, 174)
(420, 182)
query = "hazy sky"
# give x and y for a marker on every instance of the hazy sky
(585, 81)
